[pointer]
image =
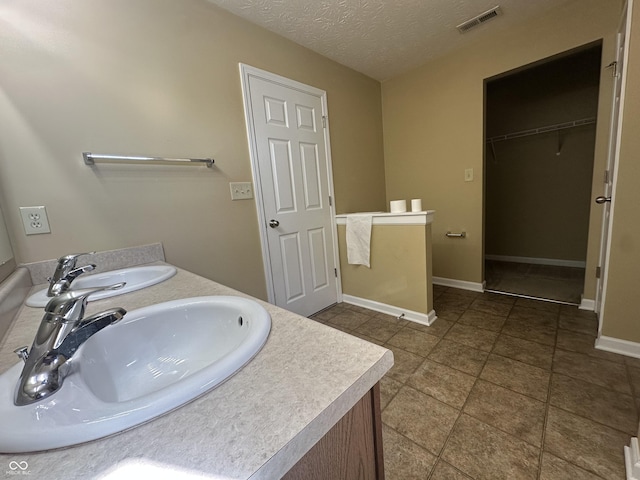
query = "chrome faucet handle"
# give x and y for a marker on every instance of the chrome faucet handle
(64, 312)
(67, 263)
(76, 272)
(69, 306)
(59, 281)
(87, 327)
(63, 284)
(71, 258)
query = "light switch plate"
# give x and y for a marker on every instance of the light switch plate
(241, 190)
(468, 175)
(34, 220)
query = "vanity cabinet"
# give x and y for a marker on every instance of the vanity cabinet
(352, 449)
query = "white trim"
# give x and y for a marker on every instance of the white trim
(587, 304)
(632, 459)
(383, 218)
(616, 345)
(417, 317)
(556, 262)
(461, 284)
(257, 182)
(247, 71)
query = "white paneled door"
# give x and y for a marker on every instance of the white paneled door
(286, 123)
(607, 200)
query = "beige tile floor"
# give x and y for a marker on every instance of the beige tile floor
(499, 388)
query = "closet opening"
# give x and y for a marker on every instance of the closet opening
(540, 130)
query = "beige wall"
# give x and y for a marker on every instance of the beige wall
(620, 316)
(400, 273)
(433, 125)
(537, 203)
(158, 78)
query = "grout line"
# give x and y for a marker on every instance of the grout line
(547, 405)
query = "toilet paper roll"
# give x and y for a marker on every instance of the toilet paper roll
(398, 206)
(416, 205)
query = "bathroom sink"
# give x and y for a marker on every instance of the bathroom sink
(135, 278)
(154, 360)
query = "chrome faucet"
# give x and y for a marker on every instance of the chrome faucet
(66, 272)
(62, 330)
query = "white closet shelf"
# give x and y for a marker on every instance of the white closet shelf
(545, 129)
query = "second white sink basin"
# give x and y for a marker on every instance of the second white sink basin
(154, 360)
(136, 278)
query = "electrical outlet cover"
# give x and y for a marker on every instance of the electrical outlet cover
(34, 220)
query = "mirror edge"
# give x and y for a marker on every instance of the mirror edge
(7, 268)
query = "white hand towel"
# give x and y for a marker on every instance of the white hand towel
(359, 239)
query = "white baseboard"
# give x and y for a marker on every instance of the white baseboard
(537, 261)
(461, 284)
(417, 317)
(587, 304)
(616, 345)
(632, 460)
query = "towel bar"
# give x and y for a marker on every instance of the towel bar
(90, 158)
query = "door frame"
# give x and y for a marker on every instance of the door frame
(246, 72)
(607, 226)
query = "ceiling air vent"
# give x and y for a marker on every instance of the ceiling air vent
(477, 20)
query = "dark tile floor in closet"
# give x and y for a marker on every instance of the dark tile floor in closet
(563, 284)
(499, 388)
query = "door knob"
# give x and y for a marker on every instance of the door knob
(274, 223)
(601, 200)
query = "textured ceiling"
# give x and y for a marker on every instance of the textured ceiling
(381, 38)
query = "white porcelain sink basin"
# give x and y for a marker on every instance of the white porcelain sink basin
(136, 278)
(154, 360)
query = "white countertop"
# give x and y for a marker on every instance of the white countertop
(256, 425)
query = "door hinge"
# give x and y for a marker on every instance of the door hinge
(614, 68)
(324, 121)
(330, 201)
(598, 272)
(335, 271)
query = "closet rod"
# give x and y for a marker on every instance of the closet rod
(546, 129)
(91, 158)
